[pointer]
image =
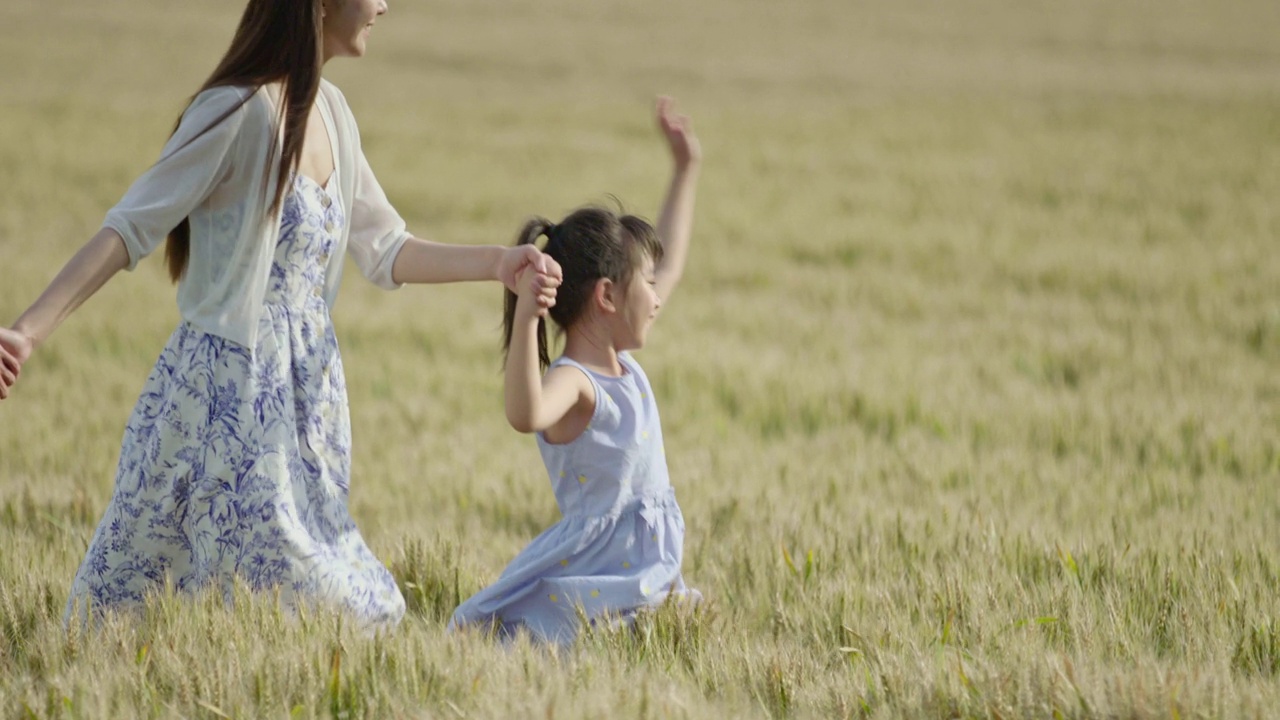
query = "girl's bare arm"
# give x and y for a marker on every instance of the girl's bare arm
(675, 223)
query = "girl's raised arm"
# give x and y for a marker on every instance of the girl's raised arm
(675, 224)
(537, 403)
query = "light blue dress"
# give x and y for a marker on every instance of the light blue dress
(237, 463)
(619, 545)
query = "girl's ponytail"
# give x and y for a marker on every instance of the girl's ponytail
(534, 229)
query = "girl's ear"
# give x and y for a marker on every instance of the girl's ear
(605, 295)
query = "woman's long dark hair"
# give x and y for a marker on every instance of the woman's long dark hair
(277, 41)
(592, 243)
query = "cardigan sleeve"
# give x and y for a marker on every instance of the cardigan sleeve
(377, 231)
(193, 160)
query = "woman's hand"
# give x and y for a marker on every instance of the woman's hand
(15, 349)
(532, 299)
(678, 130)
(542, 282)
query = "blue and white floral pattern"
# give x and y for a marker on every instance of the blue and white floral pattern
(236, 463)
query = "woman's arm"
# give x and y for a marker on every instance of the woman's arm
(675, 223)
(83, 275)
(389, 256)
(96, 263)
(423, 261)
(196, 155)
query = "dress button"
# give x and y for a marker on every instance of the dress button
(324, 256)
(325, 200)
(316, 291)
(328, 226)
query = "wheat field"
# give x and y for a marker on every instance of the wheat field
(971, 392)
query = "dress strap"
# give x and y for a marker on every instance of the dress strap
(566, 360)
(596, 387)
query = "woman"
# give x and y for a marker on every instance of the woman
(236, 459)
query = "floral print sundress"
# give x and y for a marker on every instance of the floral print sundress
(236, 463)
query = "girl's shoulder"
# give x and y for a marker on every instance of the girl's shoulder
(572, 371)
(570, 381)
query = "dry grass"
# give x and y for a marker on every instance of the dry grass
(970, 394)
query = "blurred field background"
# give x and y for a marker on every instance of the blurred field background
(971, 392)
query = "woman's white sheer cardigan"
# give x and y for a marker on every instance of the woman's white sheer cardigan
(218, 177)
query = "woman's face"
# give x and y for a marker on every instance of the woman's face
(347, 24)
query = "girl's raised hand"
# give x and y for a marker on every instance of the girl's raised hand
(15, 348)
(678, 130)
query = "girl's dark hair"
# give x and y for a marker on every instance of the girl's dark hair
(277, 40)
(592, 243)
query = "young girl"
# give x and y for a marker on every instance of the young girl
(619, 545)
(236, 461)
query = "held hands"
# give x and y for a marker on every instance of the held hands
(532, 274)
(678, 130)
(15, 348)
(533, 301)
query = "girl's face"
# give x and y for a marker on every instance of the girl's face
(347, 24)
(638, 308)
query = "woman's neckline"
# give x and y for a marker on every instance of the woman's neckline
(324, 187)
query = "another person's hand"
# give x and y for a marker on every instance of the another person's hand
(547, 273)
(15, 348)
(678, 130)
(536, 291)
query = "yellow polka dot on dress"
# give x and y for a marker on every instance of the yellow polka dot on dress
(564, 563)
(582, 479)
(625, 564)
(561, 473)
(595, 593)
(554, 598)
